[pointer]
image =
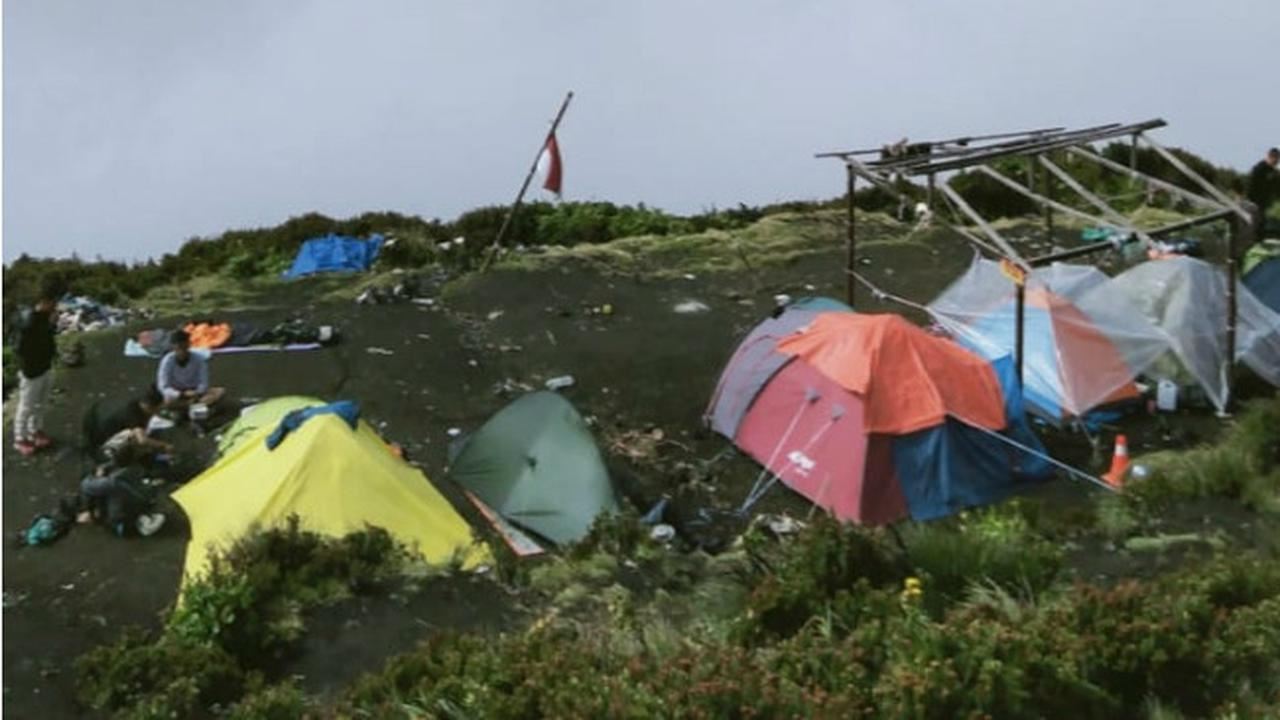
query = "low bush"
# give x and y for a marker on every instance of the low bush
(996, 545)
(236, 620)
(1194, 642)
(140, 676)
(1243, 465)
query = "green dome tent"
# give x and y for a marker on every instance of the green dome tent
(536, 464)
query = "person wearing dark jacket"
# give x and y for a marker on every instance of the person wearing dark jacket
(1264, 185)
(35, 348)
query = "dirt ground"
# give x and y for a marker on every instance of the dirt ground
(449, 365)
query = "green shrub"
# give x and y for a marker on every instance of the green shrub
(993, 544)
(284, 701)
(830, 566)
(1243, 465)
(143, 677)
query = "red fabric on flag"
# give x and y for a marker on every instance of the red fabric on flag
(552, 158)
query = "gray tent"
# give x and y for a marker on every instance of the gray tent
(536, 464)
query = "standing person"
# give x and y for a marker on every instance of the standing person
(35, 348)
(183, 378)
(1264, 186)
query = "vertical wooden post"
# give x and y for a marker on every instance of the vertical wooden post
(851, 259)
(1018, 336)
(1046, 181)
(506, 222)
(1233, 242)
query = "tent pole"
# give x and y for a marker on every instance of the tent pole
(1046, 183)
(851, 264)
(1018, 337)
(506, 222)
(1233, 236)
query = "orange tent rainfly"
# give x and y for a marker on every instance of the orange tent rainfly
(919, 378)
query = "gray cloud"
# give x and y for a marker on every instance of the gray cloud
(132, 125)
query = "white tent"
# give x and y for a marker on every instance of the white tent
(1186, 299)
(1084, 343)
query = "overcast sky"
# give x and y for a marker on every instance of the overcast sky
(132, 125)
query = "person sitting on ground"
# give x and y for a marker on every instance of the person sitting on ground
(35, 347)
(107, 434)
(117, 496)
(183, 377)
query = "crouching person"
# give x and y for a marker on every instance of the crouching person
(118, 497)
(183, 377)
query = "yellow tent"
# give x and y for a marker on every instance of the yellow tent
(334, 479)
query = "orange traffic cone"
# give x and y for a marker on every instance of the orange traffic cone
(1119, 463)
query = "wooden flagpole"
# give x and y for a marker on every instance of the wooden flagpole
(506, 222)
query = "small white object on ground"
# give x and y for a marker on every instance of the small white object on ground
(1166, 396)
(424, 301)
(495, 314)
(157, 423)
(690, 276)
(784, 525)
(1139, 471)
(689, 307)
(663, 533)
(781, 299)
(379, 351)
(562, 381)
(149, 525)
(453, 432)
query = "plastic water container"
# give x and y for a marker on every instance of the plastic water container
(1167, 396)
(199, 411)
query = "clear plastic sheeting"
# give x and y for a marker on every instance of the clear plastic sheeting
(1187, 299)
(1083, 342)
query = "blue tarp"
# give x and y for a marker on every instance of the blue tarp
(335, 253)
(1263, 280)
(947, 468)
(348, 410)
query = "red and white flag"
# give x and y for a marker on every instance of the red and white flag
(549, 163)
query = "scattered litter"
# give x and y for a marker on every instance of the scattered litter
(562, 381)
(784, 525)
(1139, 471)
(379, 351)
(690, 276)
(453, 432)
(424, 301)
(68, 586)
(424, 336)
(781, 299)
(495, 314)
(809, 288)
(551, 337)
(864, 261)
(511, 387)
(473, 362)
(691, 306)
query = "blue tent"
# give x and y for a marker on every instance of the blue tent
(1263, 280)
(335, 253)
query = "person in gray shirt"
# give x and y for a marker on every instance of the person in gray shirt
(183, 378)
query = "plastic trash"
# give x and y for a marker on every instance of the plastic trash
(689, 307)
(1139, 471)
(562, 381)
(1167, 396)
(662, 533)
(453, 432)
(781, 299)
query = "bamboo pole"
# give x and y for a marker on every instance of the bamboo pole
(506, 222)
(851, 254)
